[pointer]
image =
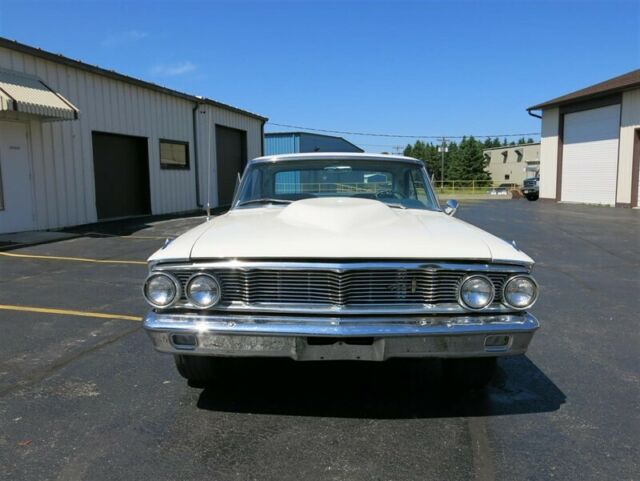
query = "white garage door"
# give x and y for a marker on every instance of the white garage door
(590, 155)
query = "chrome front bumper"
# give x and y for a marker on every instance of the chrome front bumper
(308, 338)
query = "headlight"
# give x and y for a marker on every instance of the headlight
(476, 292)
(203, 290)
(520, 292)
(161, 290)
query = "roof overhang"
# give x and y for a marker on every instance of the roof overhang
(622, 83)
(28, 94)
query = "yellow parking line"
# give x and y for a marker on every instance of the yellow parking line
(67, 312)
(76, 259)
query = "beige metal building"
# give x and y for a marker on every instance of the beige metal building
(80, 144)
(590, 149)
(514, 163)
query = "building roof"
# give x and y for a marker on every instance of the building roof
(61, 59)
(621, 83)
(270, 134)
(335, 155)
(506, 147)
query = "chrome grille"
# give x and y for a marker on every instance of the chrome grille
(344, 288)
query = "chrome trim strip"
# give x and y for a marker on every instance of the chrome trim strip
(337, 326)
(402, 309)
(482, 266)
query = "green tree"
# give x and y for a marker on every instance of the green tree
(466, 161)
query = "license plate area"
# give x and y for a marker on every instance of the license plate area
(340, 349)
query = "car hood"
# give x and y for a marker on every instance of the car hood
(338, 228)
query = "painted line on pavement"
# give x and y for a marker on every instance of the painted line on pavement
(69, 312)
(73, 259)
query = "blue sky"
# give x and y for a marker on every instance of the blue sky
(417, 68)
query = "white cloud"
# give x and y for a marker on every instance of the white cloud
(122, 38)
(169, 70)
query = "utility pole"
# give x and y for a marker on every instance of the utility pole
(443, 148)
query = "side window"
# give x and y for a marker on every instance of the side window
(174, 154)
(417, 187)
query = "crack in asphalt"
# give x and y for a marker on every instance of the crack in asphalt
(39, 375)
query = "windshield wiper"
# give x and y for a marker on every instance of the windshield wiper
(264, 201)
(394, 205)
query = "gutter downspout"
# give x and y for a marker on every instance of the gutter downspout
(195, 153)
(533, 115)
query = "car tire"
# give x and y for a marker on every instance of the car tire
(532, 197)
(197, 369)
(469, 373)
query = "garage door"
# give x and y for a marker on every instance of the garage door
(121, 170)
(231, 157)
(590, 155)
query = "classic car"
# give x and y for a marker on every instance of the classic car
(332, 256)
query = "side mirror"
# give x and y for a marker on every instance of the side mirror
(451, 207)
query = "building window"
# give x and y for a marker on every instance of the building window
(174, 154)
(506, 176)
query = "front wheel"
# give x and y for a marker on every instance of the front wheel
(532, 197)
(470, 373)
(198, 369)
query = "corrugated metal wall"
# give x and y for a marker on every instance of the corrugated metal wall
(324, 143)
(281, 144)
(61, 152)
(207, 118)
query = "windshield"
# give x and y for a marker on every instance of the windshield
(398, 184)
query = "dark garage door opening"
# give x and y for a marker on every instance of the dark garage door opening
(121, 169)
(231, 158)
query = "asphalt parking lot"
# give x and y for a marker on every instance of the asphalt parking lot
(84, 396)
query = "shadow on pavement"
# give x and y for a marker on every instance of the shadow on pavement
(392, 390)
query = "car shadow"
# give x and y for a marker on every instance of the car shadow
(391, 390)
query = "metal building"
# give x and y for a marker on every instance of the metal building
(590, 149)
(513, 163)
(296, 142)
(79, 144)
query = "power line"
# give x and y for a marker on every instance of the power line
(344, 132)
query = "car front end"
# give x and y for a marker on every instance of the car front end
(341, 310)
(338, 257)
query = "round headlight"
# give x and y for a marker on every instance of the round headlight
(476, 292)
(520, 292)
(161, 290)
(203, 290)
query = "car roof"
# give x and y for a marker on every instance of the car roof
(336, 156)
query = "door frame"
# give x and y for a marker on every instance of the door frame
(148, 161)
(244, 154)
(32, 194)
(635, 167)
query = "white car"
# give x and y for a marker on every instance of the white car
(315, 262)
